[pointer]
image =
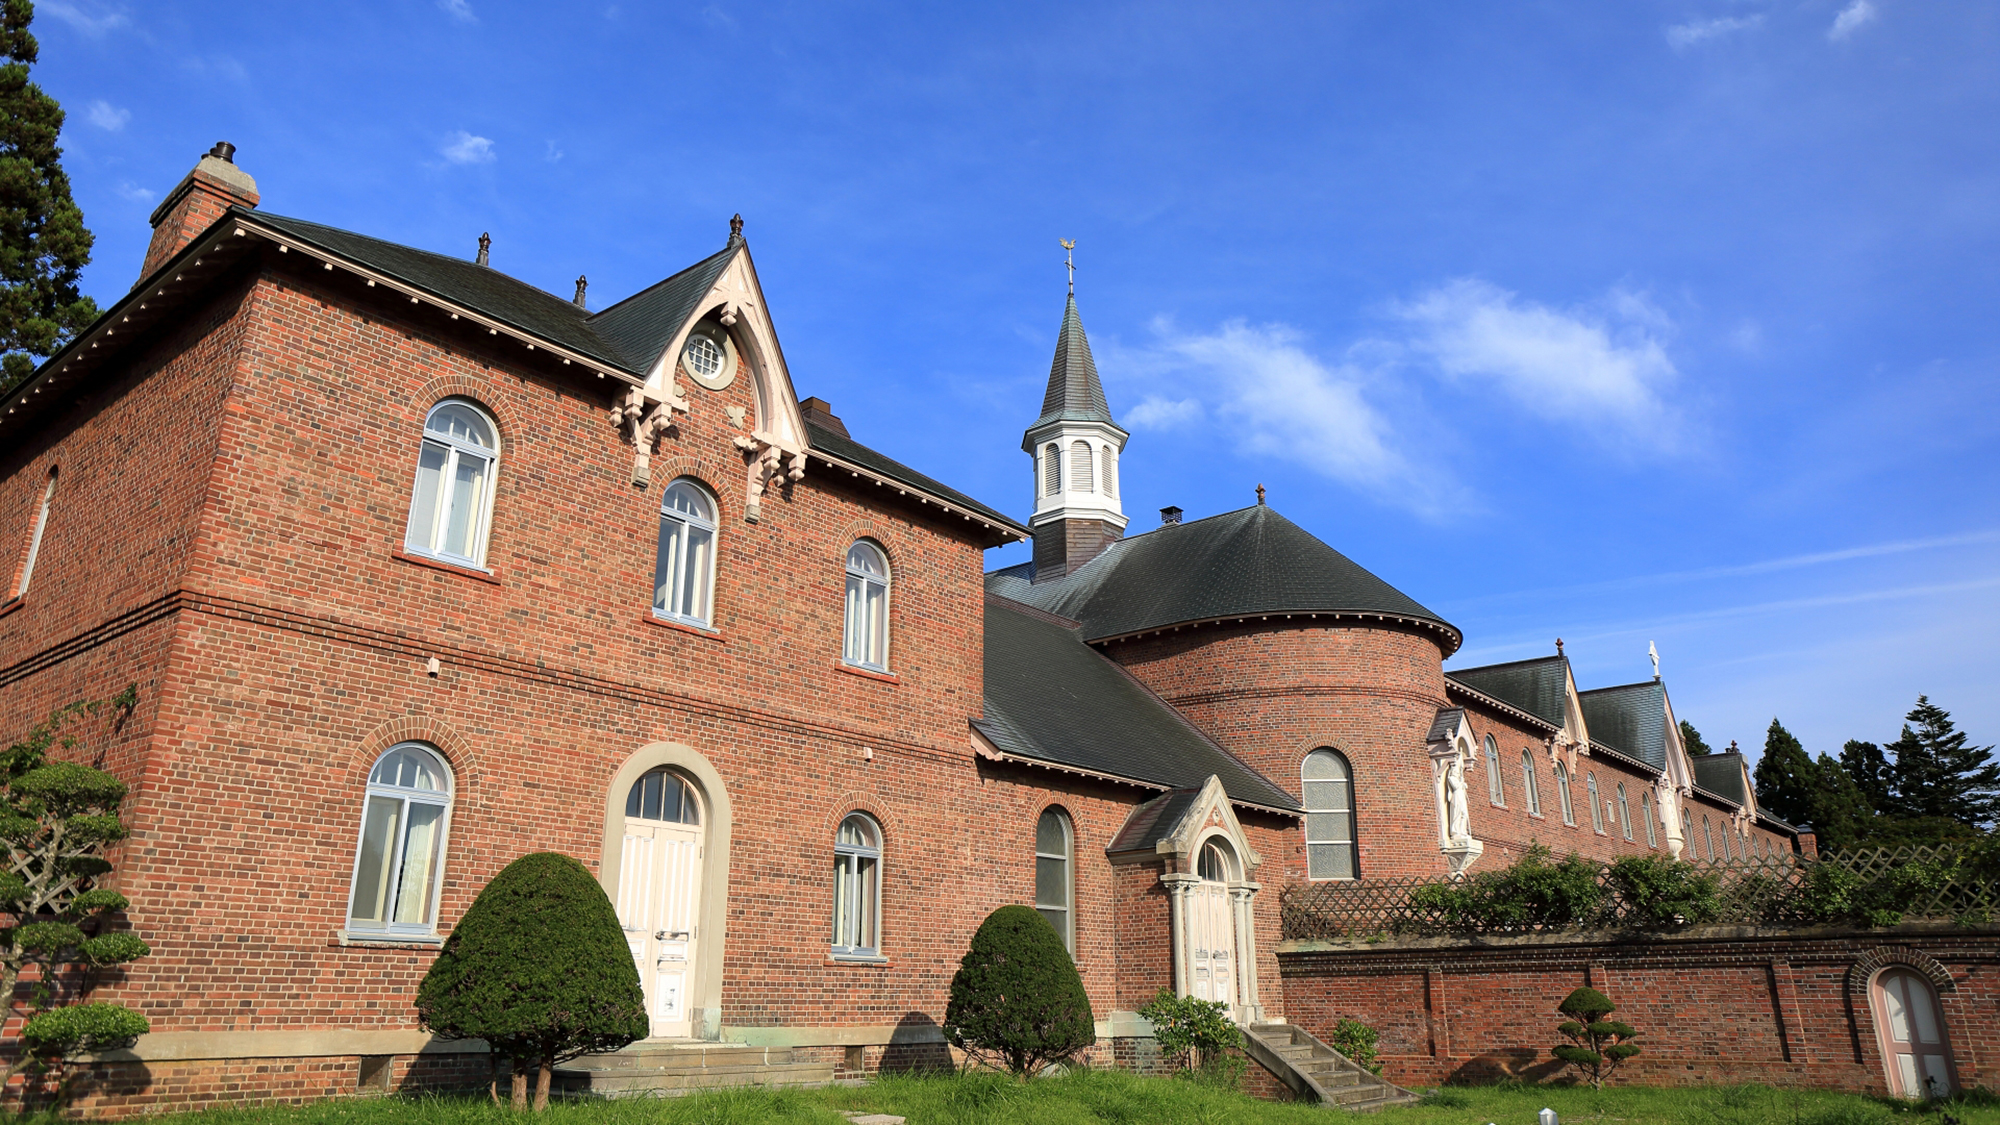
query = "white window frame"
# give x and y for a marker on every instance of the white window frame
(1596, 804)
(1067, 908)
(35, 537)
(1109, 470)
(456, 450)
(1708, 837)
(1563, 793)
(1353, 841)
(868, 646)
(388, 929)
(1647, 814)
(1624, 813)
(1534, 790)
(856, 896)
(1496, 786)
(1052, 469)
(685, 527)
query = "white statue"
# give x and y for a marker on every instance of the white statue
(1457, 812)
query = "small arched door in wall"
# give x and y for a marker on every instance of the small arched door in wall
(1910, 1026)
(659, 894)
(1211, 927)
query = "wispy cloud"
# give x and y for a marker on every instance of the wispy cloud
(104, 115)
(1681, 36)
(134, 193)
(1604, 365)
(464, 148)
(1850, 19)
(460, 10)
(90, 20)
(552, 153)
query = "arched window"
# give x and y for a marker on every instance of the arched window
(1646, 814)
(1709, 837)
(1328, 783)
(1562, 795)
(1110, 474)
(453, 501)
(1528, 786)
(660, 796)
(1624, 813)
(401, 854)
(1079, 466)
(867, 644)
(1213, 866)
(684, 570)
(1596, 803)
(857, 888)
(1051, 470)
(1496, 790)
(35, 532)
(1054, 894)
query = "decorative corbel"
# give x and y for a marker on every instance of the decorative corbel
(769, 459)
(642, 427)
(1562, 749)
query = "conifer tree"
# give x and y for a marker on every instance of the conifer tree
(1938, 775)
(1691, 740)
(1786, 777)
(43, 243)
(1841, 813)
(1872, 774)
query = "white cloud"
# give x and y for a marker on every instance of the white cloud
(464, 148)
(135, 193)
(104, 115)
(89, 23)
(1603, 368)
(460, 10)
(553, 153)
(1851, 18)
(1684, 35)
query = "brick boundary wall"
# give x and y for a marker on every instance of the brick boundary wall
(1715, 1004)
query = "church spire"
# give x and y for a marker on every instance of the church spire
(1074, 394)
(1075, 446)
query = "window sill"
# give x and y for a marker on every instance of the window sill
(867, 673)
(856, 959)
(682, 627)
(378, 939)
(12, 604)
(449, 568)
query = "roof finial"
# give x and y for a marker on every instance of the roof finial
(582, 283)
(1260, 496)
(485, 244)
(1653, 651)
(1559, 646)
(1069, 261)
(736, 228)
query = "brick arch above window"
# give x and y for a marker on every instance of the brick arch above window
(699, 468)
(846, 805)
(1896, 956)
(481, 393)
(459, 752)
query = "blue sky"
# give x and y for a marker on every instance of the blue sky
(1634, 322)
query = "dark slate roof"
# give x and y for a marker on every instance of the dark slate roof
(1074, 392)
(1721, 774)
(1441, 726)
(1251, 562)
(1051, 697)
(644, 324)
(480, 288)
(1153, 821)
(1536, 686)
(844, 448)
(1631, 719)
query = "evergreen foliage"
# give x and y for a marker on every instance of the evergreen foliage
(1691, 740)
(1017, 999)
(1660, 892)
(1938, 774)
(1596, 1045)
(1872, 774)
(43, 243)
(1786, 777)
(1530, 892)
(57, 817)
(1196, 1035)
(539, 968)
(1841, 813)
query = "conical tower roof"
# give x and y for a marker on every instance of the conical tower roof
(1074, 394)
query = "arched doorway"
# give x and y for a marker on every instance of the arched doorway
(659, 894)
(1211, 925)
(1910, 1027)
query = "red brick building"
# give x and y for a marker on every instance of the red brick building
(418, 568)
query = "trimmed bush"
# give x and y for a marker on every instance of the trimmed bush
(1596, 1045)
(538, 968)
(1016, 999)
(1196, 1036)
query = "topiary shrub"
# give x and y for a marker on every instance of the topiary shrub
(1196, 1036)
(538, 968)
(1016, 999)
(1596, 1045)
(1659, 892)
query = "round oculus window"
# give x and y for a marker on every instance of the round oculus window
(708, 361)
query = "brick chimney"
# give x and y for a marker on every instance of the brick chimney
(196, 202)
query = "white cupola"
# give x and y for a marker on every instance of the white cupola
(1075, 447)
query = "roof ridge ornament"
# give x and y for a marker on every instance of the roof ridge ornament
(736, 229)
(582, 283)
(485, 244)
(1069, 261)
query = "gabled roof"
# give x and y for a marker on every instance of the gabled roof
(642, 325)
(1052, 698)
(1250, 563)
(1721, 775)
(1631, 719)
(1074, 394)
(838, 447)
(1537, 686)
(1153, 821)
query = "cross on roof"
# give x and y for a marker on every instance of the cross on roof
(1069, 261)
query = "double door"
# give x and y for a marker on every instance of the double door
(1211, 943)
(659, 899)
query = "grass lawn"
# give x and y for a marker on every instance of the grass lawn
(1117, 1098)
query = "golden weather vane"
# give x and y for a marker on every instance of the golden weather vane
(1069, 261)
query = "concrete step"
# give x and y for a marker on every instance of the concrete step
(691, 1056)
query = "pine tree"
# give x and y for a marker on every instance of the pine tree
(1691, 740)
(1786, 777)
(1841, 814)
(1938, 775)
(1872, 774)
(43, 243)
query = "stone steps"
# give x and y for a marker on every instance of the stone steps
(655, 1069)
(1317, 1072)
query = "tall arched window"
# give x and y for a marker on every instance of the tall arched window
(1054, 886)
(1596, 803)
(1528, 786)
(684, 570)
(1110, 474)
(1496, 790)
(1051, 470)
(35, 533)
(1709, 837)
(1646, 814)
(867, 644)
(453, 501)
(1328, 783)
(1079, 467)
(857, 888)
(1562, 794)
(406, 813)
(1624, 813)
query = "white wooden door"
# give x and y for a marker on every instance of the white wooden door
(1912, 1035)
(659, 901)
(1212, 943)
